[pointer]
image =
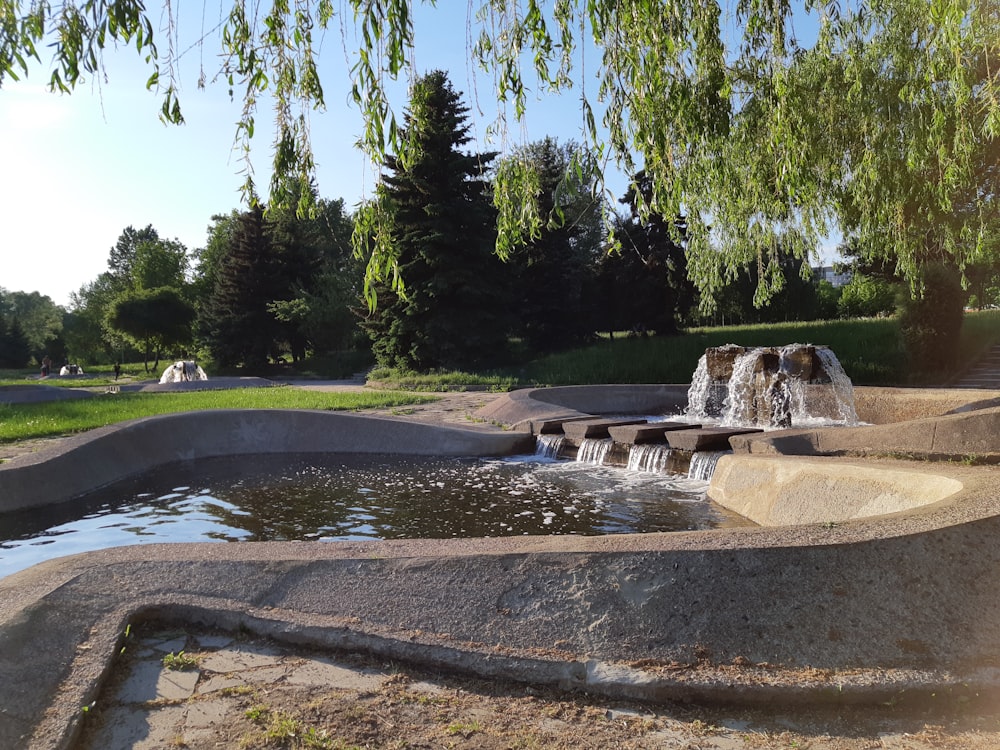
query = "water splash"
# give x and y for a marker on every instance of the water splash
(795, 385)
(593, 451)
(842, 387)
(648, 458)
(698, 391)
(548, 446)
(703, 464)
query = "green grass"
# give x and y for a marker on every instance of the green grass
(52, 418)
(870, 351)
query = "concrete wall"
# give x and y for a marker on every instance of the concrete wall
(100, 457)
(891, 405)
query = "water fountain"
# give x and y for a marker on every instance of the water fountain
(771, 387)
(742, 388)
(871, 606)
(183, 371)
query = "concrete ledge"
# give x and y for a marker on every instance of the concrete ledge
(101, 457)
(971, 434)
(706, 438)
(876, 405)
(529, 405)
(785, 491)
(589, 429)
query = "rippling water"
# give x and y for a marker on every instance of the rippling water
(331, 498)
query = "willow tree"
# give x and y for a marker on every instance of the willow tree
(879, 127)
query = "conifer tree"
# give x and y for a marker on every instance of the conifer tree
(449, 314)
(235, 321)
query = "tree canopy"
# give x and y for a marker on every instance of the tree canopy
(882, 126)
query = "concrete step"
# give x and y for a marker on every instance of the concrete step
(594, 428)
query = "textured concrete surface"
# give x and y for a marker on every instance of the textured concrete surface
(966, 435)
(853, 611)
(785, 491)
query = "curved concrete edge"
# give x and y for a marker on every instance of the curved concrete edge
(968, 434)
(875, 405)
(782, 491)
(100, 457)
(853, 612)
(524, 407)
(29, 394)
(881, 405)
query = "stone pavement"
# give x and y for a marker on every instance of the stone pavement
(196, 689)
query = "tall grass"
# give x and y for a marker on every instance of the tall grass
(51, 418)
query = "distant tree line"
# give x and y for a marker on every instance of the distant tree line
(271, 285)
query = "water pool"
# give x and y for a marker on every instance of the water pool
(353, 497)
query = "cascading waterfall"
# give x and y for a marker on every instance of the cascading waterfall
(648, 457)
(739, 407)
(593, 451)
(703, 464)
(698, 391)
(548, 446)
(843, 389)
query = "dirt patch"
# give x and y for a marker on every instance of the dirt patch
(224, 692)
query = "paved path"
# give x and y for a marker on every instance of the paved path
(984, 374)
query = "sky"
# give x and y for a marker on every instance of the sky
(76, 170)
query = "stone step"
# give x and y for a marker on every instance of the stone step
(654, 432)
(706, 438)
(555, 426)
(590, 429)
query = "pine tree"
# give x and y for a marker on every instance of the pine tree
(451, 313)
(235, 321)
(15, 351)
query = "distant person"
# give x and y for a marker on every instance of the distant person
(46, 366)
(118, 370)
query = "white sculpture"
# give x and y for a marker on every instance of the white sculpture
(182, 372)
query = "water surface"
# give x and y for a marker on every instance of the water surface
(354, 497)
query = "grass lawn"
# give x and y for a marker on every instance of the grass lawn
(52, 418)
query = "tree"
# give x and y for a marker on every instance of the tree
(881, 127)
(234, 319)
(930, 322)
(159, 263)
(122, 257)
(554, 270)
(645, 285)
(321, 312)
(38, 318)
(15, 351)
(154, 320)
(451, 313)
